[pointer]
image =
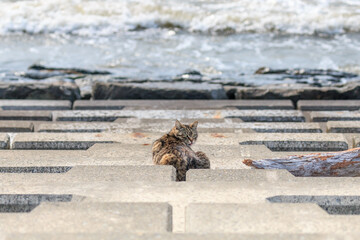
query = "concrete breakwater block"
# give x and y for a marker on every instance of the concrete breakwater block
(296, 141)
(296, 92)
(81, 217)
(17, 126)
(82, 174)
(265, 218)
(35, 105)
(336, 205)
(175, 236)
(245, 115)
(17, 203)
(335, 116)
(77, 141)
(26, 115)
(165, 125)
(58, 90)
(343, 126)
(182, 104)
(328, 105)
(158, 90)
(226, 175)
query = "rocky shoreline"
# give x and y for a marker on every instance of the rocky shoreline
(41, 82)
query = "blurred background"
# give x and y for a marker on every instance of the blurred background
(160, 39)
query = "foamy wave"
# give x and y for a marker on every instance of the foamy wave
(107, 17)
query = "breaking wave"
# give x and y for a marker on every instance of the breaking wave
(109, 17)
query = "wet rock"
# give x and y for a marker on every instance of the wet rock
(158, 90)
(55, 91)
(295, 92)
(306, 72)
(191, 76)
(42, 72)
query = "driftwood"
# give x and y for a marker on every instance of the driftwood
(329, 164)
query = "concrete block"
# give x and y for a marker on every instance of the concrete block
(335, 205)
(18, 126)
(343, 127)
(266, 219)
(70, 141)
(81, 174)
(176, 236)
(91, 218)
(21, 203)
(25, 115)
(285, 127)
(83, 127)
(328, 105)
(296, 141)
(181, 104)
(158, 90)
(34, 105)
(245, 115)
(198, 175)
(334, 116)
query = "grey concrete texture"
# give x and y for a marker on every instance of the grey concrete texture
(326, 116)
(158, 90)
(253, 190)
(343, 126)
(25, 115)
(80, 174)
(328, 105)
(266, 218)
(81, 217)
(16, 126)
(128, 126)
(17, 104)
(181, 104)
(296, 141)
(177, 236)
(207, 175)
(245, 115)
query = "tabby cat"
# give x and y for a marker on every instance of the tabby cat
(174, 149)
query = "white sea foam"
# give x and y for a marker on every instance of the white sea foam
(107, 17)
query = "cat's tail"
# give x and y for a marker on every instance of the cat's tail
(178, 163)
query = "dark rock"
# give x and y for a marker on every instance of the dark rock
(306, 72)
(55, 91)
(42, 72)
(158, 90)
(191, 76)
(296, 92)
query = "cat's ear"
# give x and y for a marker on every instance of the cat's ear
(178, 124)
(194, 125)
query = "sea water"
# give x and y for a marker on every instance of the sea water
(162, 38)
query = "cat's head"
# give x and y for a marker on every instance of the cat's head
(187, 133)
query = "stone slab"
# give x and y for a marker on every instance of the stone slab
(296, 141)
(328, 105)
(17, 126)
(91, 218)
(179, 195)
(181, 104)
(335, 116)
(228, 125)
(158, 90)
(206, 175)
(80, 174)
(265, 218)
(26, 115)
(343, 127)
(35, 105)
(245, 115)
(176, 236)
